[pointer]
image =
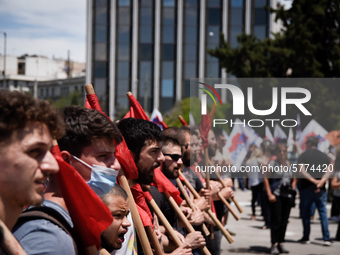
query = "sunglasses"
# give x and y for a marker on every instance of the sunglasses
(174, 157)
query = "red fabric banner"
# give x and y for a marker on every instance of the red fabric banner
(142, 206)
(89, 214)
(164, 185)
(138, 110)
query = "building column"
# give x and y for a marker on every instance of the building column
(179, 57)
(112, 64)
(202, 47)
(156, 76)
(225, 32)
(88, 65)
(134, 59)
(248, 17)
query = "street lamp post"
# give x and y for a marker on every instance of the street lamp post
(4, 71)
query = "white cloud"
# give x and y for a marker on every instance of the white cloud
(46, 27)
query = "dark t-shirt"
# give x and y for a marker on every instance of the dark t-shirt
(317, 164)
(164, 206)
(192, 178)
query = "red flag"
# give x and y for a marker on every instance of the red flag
(125, 159)
(93, 103)
(205, 126)
(129, 114)
(122, 152)
(164, 185)
(89, 214)
(184, 123)
(138, 110)
(142, 207)
(87, 104)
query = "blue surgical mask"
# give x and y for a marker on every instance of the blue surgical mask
(102, 178)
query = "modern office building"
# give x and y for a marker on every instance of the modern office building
(154, 47)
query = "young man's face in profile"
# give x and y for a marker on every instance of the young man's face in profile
(101, 153)
(26, 164)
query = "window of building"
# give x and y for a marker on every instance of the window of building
(100, 52)
(146, 52)
(101, 16)
(169, 3)
(100, 69)
(168, 52)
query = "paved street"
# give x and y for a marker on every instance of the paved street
(251, 239)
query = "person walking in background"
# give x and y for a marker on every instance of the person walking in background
(280, 188)
(255, 180)
(335, 183)
(312, 188)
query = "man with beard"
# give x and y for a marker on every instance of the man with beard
(216, 187)
(171, 167)
(143, 139)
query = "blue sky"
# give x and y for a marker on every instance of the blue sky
(44, 27)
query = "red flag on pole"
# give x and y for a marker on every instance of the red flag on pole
(205, 126)
(184, 123)
(138, 110)
(164, 185)
(129, 114)
(89, 214)
(125, 159)
(142, 207)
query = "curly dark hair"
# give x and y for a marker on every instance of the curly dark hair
(82, 125)
(18, 109)
(136, 132)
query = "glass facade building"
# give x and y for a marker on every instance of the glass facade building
(153, 47)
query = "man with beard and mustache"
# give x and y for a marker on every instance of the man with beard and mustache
(216, 187)
(144, 140)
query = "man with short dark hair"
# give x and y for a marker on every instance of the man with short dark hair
(88, 146)
(117, 202)
(27, 127)
(144, 140)
(312, 188)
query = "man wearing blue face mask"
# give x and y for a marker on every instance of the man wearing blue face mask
(88, 146)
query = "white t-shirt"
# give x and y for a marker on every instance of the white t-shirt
(129, 246)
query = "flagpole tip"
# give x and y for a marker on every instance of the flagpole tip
(89, 89)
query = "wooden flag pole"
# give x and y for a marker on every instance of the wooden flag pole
(134, 211)
(8, 243)
(137, 221)
(184, 219)
(191, 204)
(89, 89)
(210, 213)
(165, 222)
(239, 208)
(230, 209)
(207, 182)
(154, 241)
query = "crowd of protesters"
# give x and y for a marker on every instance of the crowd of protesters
(35, 207)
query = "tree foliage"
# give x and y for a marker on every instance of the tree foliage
(307, 46)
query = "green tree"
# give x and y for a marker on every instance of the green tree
(308, 44)
(75, 98)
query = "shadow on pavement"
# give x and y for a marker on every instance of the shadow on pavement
(251, 250)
